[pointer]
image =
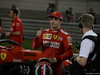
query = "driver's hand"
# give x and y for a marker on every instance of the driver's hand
(52, 60)
(39, 32)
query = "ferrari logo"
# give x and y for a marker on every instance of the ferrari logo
(55, 37)
(3, 56)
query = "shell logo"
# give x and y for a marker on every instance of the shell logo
(45, 36)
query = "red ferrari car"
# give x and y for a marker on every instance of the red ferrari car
(18, 61)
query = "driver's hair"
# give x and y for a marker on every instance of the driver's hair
(15, 11)
(88, 20)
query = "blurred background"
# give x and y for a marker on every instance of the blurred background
(37, 9)
(33, 14)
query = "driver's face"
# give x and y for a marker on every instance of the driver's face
(55, 22)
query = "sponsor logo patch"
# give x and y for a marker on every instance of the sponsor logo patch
(54, 13)
(17, 24)
(44, 36)
(51, 44)
(47, 36)
(3, 56)
(60, 38)
(17, 60)
(55, 37)
(69, 39)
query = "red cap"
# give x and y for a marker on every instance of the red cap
(56, 14)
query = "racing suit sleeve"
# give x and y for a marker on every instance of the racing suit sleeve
(67, 42)
(19, 27)
(37, 42)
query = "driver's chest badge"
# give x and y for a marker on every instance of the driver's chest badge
(3, 56)
(55, 37)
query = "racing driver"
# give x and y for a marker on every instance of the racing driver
(56, 43)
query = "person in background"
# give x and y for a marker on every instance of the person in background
(56, 43)
(93, 14)
(16, 32)
(87, 45)
(51, 8)
(70, 15)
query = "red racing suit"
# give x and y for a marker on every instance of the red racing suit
(55, 44)
(17, 26)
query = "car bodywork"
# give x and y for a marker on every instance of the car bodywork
(16, 60)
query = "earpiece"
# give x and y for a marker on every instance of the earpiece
(80, 25)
